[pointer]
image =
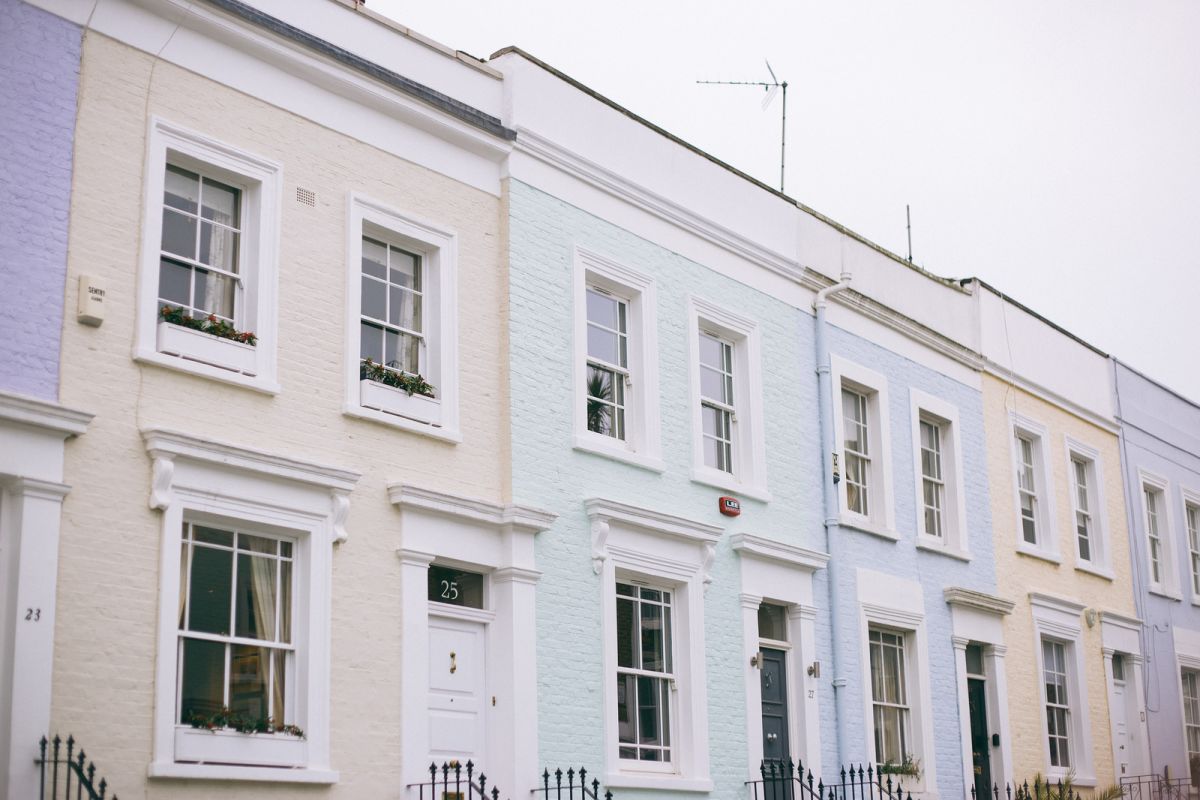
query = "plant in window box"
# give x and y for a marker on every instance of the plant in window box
(909, 768)
(404, 394)
(228, 720)
(207, 339)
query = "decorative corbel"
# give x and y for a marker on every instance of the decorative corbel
(160, 482)
(706, 562)
(341, 510)
(599, 543)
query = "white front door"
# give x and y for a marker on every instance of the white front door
(456, 689)
(1121, 726)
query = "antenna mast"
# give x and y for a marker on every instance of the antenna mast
(908, 219)
(771, 88)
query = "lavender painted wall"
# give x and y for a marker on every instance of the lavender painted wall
(39, 65)
(1161, 436)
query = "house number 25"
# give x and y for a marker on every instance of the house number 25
(33, 615)
(449, 590)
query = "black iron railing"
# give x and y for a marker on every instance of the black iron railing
(1154, 787)
(576, 786)
(69, 774)
(789, 780)
(454, 780)
(1040, 789)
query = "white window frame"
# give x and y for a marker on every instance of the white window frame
(664, 551)
(1100, 562)
(437, 417)
(261, 183)
(229, 487)
(897, 604)
(642, 445)
(881, 520)
(1047, 545)
(1168, 583)
(954, 540)
(1190, 498)
(1059, 619)
(749, 476)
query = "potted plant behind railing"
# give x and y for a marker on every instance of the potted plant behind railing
(908, 768)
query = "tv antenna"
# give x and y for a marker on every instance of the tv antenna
(772, 88)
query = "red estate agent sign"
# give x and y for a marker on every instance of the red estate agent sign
(729, 506)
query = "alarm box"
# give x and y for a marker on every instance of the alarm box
(730, 506)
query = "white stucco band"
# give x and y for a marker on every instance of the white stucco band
(977, 618)
(32, 436)
(1123, 635)
(194, 479)
(781, 573)
(499, 540)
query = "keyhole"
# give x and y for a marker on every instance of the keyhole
(453, 664)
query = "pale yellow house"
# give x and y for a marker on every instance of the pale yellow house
(256, 523)
(1074, 658)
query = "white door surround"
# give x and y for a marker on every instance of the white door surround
(32, 440)
(497, 540)
(1127, 703)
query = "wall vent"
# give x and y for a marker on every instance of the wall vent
(306, 197)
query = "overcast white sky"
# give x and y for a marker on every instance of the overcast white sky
(1050, 148)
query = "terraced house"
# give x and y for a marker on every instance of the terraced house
(366, 405)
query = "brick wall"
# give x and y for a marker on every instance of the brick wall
(39, 59)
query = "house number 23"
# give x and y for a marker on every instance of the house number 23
(33, 615)
(449, 590)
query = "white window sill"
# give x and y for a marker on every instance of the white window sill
(403, 423)
(258, 383)
(227, 772)
(866, 526)
(933, 545)
(1053, 776)
(608, 448)
(1092, 569)
(1167, 593)
(650, 780)
(1034, 552)
(724, 480)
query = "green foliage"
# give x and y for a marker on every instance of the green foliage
(908, 768)
(368, 370)
(210, 325)
(228, 720)
(597, 412)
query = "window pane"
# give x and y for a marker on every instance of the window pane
(178, 234)
(713, 452)
(401, 351)
(174, 282)
(181, 189)
(649, 710)
(257, 544)
(653, 657)
(218, 247)
(712, 352)
(373, 298)
(220, 203)
(285, 600)
(371, 342)
(603, 310)
(256, 598)
(404, 309)
(626, 701)
(602, 345)
(279, 688)
(772, 622)
(374, 259)
(208, 599)
(202, 688)
(212, 536)
(627, 647)
(606, 398)
(249, 681)
(214, 293)
(404, 269)
(713, 385)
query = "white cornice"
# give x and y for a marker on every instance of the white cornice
(163, 444)
(1049, 396)
(1055, 603)
(36, 413)
(749, 545)
(1121, 621)
(406, 496)
(969, 598)
(653, 521)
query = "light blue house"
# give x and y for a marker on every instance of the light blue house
(39, 65)
(666, 406)
(1160, 453)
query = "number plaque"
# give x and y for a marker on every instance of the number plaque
(455, 587)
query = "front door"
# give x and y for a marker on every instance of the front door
(1121, 723)
(456, 689)
(980, 741)
(774, 706)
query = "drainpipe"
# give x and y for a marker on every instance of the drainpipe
(829, 493)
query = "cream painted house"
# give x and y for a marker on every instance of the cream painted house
(1061, 548)
(253, 525)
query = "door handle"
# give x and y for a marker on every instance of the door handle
(772, 737)
(453, 663)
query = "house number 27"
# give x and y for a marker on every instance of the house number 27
(33, 615)
(449, 590)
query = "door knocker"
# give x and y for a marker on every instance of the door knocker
(453, 664)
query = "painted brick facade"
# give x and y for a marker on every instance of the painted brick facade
(1161, 436)
(39, 59)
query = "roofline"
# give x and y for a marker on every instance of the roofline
(1036, 315)
(1173, 392)
(952, 283)
(448, 105)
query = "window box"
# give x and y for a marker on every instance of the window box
(194, 345)
(230, 747)
(391, 400)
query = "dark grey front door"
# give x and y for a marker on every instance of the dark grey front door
(774, 706)
(980, 741)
